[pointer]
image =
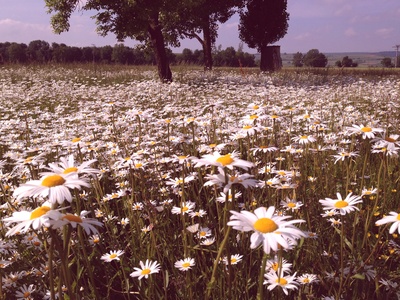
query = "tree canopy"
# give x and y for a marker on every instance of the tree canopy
(314, 58)
(262, 23)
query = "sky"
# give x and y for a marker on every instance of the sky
(326, 25)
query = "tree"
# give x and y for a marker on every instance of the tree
(143, 20)
(314, 58)
(387, 62)
(297, 59)
(263, 23)
(17, 53)
(39, 51)
(205, 15)
(346, 62)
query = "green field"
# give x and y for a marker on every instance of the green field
(230, 184)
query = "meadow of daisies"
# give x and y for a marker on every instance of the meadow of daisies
(220, 185)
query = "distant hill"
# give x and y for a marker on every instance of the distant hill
(364, 59)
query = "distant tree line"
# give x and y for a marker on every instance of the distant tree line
(42, 52)
(312, 58)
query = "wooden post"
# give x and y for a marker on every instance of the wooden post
(271, 58)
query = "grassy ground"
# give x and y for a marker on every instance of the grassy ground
(233, 184)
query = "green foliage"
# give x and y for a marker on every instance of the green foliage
(313, 58)
(297, 59)
(346, 62)
(143, 133)
(263, 22)
(387, 62)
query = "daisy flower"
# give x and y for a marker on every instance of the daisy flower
(201, 213)
(270, 230)
(146, 269)
(365, 131)
(36, 218)
(235, 258)
(74, 220)
(307, 278)
(279, 267)
(393, 218)
(290, 204)
(185, 264)
(204, 232)
(185, 208)
(223, 196)
(208, 242)
(342, 155)
(245, 180)
(304, 139)
(68, 165)
(369, 191)
(285, 282)
(94, 239)
(54, 186)
(334, 222)
(25, 292)
(112, 255)
(229, 161)
(342, 206)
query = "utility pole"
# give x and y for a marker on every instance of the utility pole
(396, 63)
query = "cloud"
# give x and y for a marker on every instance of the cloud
(384, 32)
(302, 37)
(18, 31)
(350, 32)
(231, 25)
(343, 10)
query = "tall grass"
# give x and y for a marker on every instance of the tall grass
(147, 137)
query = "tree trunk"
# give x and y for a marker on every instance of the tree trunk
(207, 45)
(157, 42)
(270, 58)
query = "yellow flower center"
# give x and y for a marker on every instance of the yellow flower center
(265, 225)
(341, 203)
(398, 217)
(307, 116)
(366, 129)
(274, 116)
(138, 165)
(185, 208)
(146, 271)
(304, 137)
(247, 127)
(291, 204)
(256, 107)
(72, 218)
(38, 212)
(167, 121)
(75, 140)
(186, 265)
(252, 117)
(212, 145)
(275, 266)
(281, 281)
(29, 159)
(306, 280)
(112, 256)
(202, 233)
(389, 139)
(70, 170)
(233, 260)
(182, 157)
(225, 159)
(53, 180)
(27, 294)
